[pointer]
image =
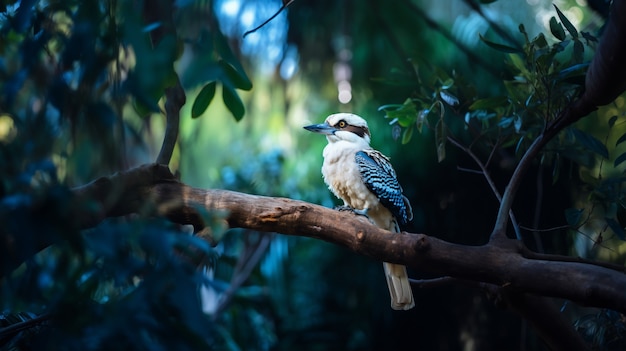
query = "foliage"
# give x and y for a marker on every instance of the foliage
(68, 70)
(80, 84)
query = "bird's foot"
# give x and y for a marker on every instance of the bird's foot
(362, 212)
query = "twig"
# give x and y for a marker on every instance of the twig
(431, 283)
(243, 269)
(175, 99)
(15, 328)
(492, 185)
(469, 170)
(285, 4)
(561, 227)
(538, 205)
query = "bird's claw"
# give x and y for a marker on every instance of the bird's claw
(362, 212)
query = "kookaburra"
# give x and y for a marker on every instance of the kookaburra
(366, 182)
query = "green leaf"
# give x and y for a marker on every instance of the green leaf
(405, 114)
(489, 103)
(500, 47)
(540, 41)
(577, 52)
(239, 79)
(233, 102)
(590, 142)
(557, 29)
(619, 160)
(616, 228)
(573, 215)
(203, 100)
(447, 84)
(568, 25)
(408, 133)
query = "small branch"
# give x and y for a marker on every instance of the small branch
(243, 269)
(175, 99)
(285, 4)
(543, 230)
(492, 185)
(11, 330)
(431, 283)
(162, 12)
(469, 170)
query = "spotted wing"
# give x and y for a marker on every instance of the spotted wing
(380, 178)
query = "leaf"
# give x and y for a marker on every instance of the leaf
(573, 215)
(489, 103)
(517, 123)
(616, 228)
(440, 140)
(388, 106)
(500, 47)
(557, 29)
(449, 98)
(405, 114)
(408, 133)
(620, 140)
(590, 142)
(233, 102)
(203, 100)
(619, 160)
(577, 52)
(239, 79)
(505, 122)
(568, 25)
(421, 119)
(540, 41)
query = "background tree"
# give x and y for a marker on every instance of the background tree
(86, 87)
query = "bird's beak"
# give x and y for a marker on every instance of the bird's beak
(322, 128)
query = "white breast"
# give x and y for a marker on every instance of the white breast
(343, 178)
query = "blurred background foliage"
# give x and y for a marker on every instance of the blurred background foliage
(82, 96)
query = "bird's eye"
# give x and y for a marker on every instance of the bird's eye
(342, 124)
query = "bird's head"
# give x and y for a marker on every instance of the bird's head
(343, 127)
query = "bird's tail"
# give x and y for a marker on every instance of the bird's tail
(399, 286)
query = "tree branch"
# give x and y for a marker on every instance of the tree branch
(175, 99)
(605, 81)
(503, 264)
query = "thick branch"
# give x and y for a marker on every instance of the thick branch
(503, 265)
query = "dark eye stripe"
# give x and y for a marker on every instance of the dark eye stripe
(360, 131)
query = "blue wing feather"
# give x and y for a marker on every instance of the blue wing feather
(380, 178)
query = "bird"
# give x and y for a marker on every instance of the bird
(366, 182)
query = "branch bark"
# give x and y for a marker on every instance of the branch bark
(503, 263)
